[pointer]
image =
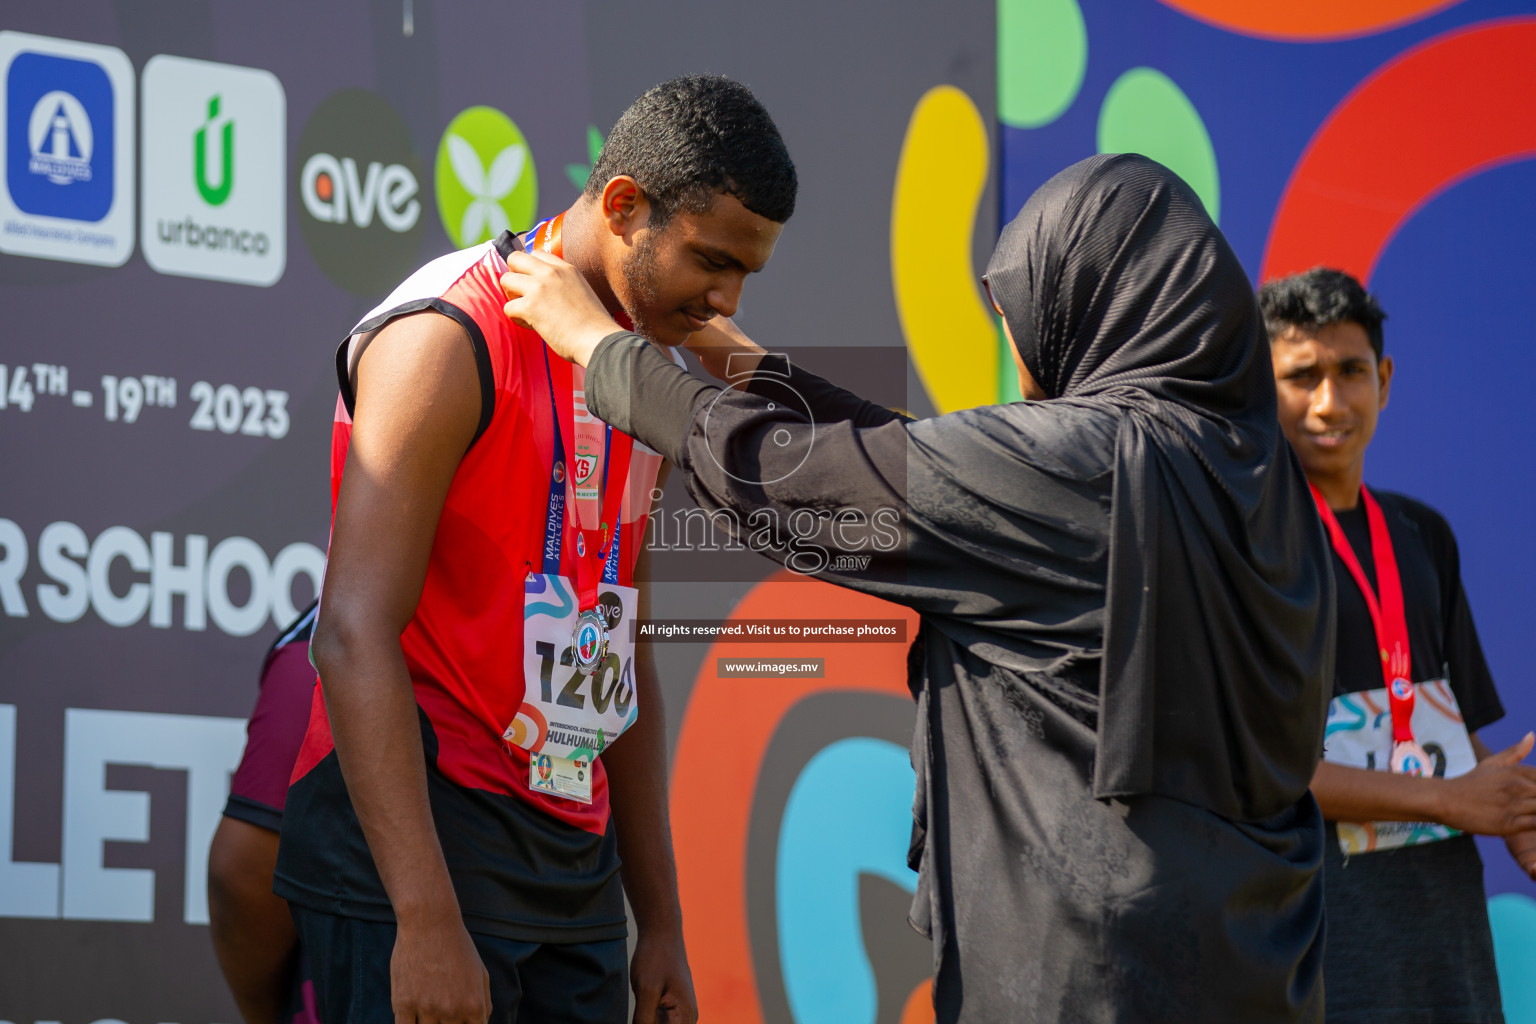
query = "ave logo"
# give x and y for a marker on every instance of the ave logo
(66, 129)
(359, 179)
(215, 196)
(332, 192)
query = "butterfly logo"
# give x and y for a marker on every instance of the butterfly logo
(484, 217)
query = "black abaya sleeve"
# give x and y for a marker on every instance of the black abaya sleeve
(827, 402)
(787, 474)
(992, 520)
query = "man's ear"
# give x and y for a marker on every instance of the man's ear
(1384, 376)
(625, 208)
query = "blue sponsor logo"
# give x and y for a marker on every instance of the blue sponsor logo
(60, 137)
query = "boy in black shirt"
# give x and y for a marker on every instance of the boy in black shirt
(1408, 934)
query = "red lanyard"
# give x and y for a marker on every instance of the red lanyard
(1387, 613)
(593, 546)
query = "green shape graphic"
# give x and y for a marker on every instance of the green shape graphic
(587, 753)
(1145, 112)
(214, 195)
(1007, 371)
(579, 173)
(486, 182)
(1042, 52)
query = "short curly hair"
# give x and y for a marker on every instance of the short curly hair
(689, 138)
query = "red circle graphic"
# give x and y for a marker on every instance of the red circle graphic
(1435, 115)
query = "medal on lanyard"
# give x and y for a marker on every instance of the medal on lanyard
(597, 550)
(1391, 623)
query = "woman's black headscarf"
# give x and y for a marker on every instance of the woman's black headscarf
(1119, 290)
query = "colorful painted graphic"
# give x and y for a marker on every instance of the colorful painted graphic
(799, 950)
(1329, 165)
(1400, 153)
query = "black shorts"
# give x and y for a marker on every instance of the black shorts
(531, 982)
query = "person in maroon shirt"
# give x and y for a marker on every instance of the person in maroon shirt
(253, 933)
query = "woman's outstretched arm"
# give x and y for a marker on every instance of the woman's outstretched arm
(803, 493)
(728, 355)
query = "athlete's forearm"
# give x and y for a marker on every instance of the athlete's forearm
(1355, 794)
(373, 716)
(252, 931)
(637, 789)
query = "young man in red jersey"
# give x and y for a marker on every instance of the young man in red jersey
(447, 846)
(1405, 781)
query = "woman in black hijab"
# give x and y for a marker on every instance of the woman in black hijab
(1125, 600)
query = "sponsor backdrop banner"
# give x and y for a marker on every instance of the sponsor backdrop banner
(199, 198)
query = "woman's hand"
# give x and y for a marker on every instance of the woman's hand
(549, 296)
(724, 351)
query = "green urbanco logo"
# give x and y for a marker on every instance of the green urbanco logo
(486, 182)
(214, 195)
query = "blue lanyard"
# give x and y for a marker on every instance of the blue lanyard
(554, 524)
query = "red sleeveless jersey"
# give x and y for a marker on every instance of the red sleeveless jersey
(463, 646)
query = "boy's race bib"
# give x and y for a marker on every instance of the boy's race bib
(1360, 736)
(568, 718)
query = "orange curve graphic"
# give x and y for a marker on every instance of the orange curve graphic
(1439, 697)
(919, 1008)
(724, 736)
(1308, 20)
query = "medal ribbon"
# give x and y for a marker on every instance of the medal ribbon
(1387, 612)
(597, 550)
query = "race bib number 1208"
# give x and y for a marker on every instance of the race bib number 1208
(568, 717)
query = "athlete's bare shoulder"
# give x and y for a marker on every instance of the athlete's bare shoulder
(420, 366)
